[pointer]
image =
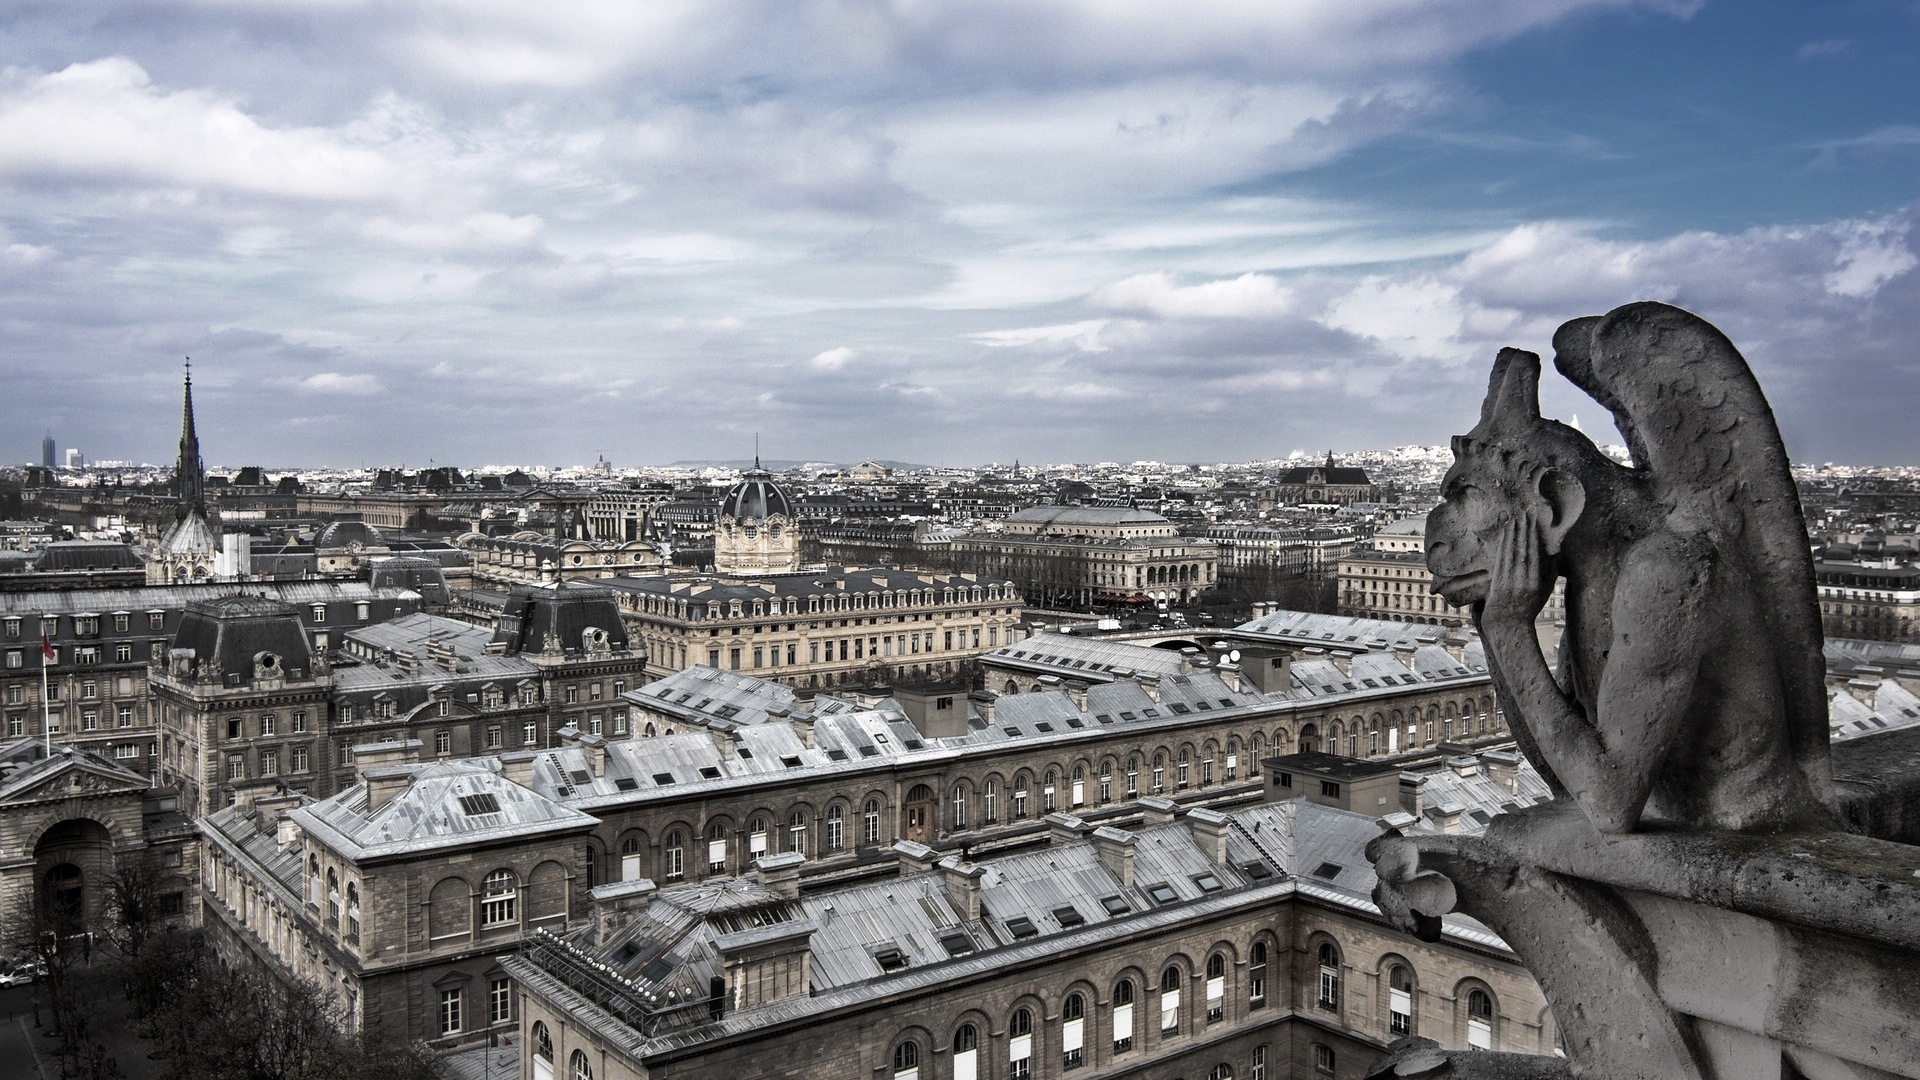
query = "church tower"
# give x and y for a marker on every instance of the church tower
(757, 531)
(186, 550)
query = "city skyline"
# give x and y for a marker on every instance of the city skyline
(1038, 232)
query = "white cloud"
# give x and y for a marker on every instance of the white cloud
(1084, 336)
(486, 231)
(1247, 296)
(1872, 255)
(333, 382)
(833, 359)
(104, 121)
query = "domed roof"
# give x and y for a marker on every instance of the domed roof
(346, 532)
(190, 535)
(756, 498)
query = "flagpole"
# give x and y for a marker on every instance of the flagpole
(46, 705)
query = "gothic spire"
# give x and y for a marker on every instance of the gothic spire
(193, 476)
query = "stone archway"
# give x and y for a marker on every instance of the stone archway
(73, 862)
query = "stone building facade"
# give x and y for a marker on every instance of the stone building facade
(756, 531)
(1880, 603)
(1080, 556)
(821, 629)
(1325, 484)
(105, 641)
(1190, 943)
(71, 821)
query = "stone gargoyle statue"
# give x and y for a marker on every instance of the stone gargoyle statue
(1689, 700)
(1690, 688)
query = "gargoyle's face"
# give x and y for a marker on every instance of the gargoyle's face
(1463, 530)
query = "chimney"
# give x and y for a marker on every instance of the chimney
(595, 749)
(1064, 829)
(1210, 832)
(1463, 765)
(1456, 646)
(1343, 660)
(385, 782)
(1447, 817)
(516, 767)
(914, 858)
(1866, 690)
(962, 881)
(1155, 810)
(1077, 693)
(617, 903)
(1115, 847)
(803, 726)
(1503, 767)
(983, 701)
(1413, 789)
(378, 755)
(1151, 684)
(273, 808)
(781, 873)
(1229, 674)
(1192, 660)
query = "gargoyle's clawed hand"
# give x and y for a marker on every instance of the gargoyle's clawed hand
(1411, 899)
(1521, 578)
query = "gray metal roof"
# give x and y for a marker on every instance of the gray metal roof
(429, 813)
(167, 597)
(1089, 658)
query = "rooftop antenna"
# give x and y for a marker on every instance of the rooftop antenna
(756, 450)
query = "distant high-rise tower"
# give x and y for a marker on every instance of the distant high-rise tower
(75, 459)
(186, 551)
(46, 452)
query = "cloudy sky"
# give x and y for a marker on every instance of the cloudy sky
(492, 231)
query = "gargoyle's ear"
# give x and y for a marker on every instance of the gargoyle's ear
(1566, 498)
(1513, 393)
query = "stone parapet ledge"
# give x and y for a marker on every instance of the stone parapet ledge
(1856, 886)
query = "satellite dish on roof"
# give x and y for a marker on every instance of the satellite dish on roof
(1233, 657)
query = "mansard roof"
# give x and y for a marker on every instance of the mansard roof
(443, 804)
(756, 497)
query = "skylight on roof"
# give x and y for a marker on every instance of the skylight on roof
(1328, 870)
(1162, 893)
(483, 803)
(1209, 883)
(710, 772)
(1068, 916)
(1115, 905)
(791, 762)
(956, 943)
(625, 783)
(1022, 927)
(663, 778)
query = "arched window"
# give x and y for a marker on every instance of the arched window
(990, 799)
(906, 1061)
(1073, 1031)
(757, 829)
(1257, 975)
(1181, 766)
(1106, 782)
(497, 899)
(1077, 794)
(1123, 1016)
(1400, 1000)
(1479, 1019)
(1323, 1061)
(870, 822)
(1222, 1071)
(577, 1067)
(353, 913)
(959, 806)
(1020, 1045)
(676, 853)
(1159, 772)
(542, 1052)
(717, 847)
(1329, 977)
(1133, 776)
(333, 898)
(1046, 792)
(1216, 987)
(797, 831)
(836, 828)
(313, 881)
(1170, 1001)
(966, 1052)
(629, 857)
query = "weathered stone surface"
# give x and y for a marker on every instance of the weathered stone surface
(1690, 687)
(1686, 901)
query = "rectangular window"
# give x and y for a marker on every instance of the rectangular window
(493, 737)
(1329, 789)
(236, 768)
(300, 723)
(267, 724)
(90, 720)
(530, 733)
(1122, 1028)
(443, 742)
(123, 716)
(299, 759)
(717, 856)
(123, 653)
(450, 1011)
(156, 620)
(269, 763)
(1259, 1071)
(88, 691)
(499, 1001)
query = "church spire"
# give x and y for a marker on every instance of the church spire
(193, 476)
